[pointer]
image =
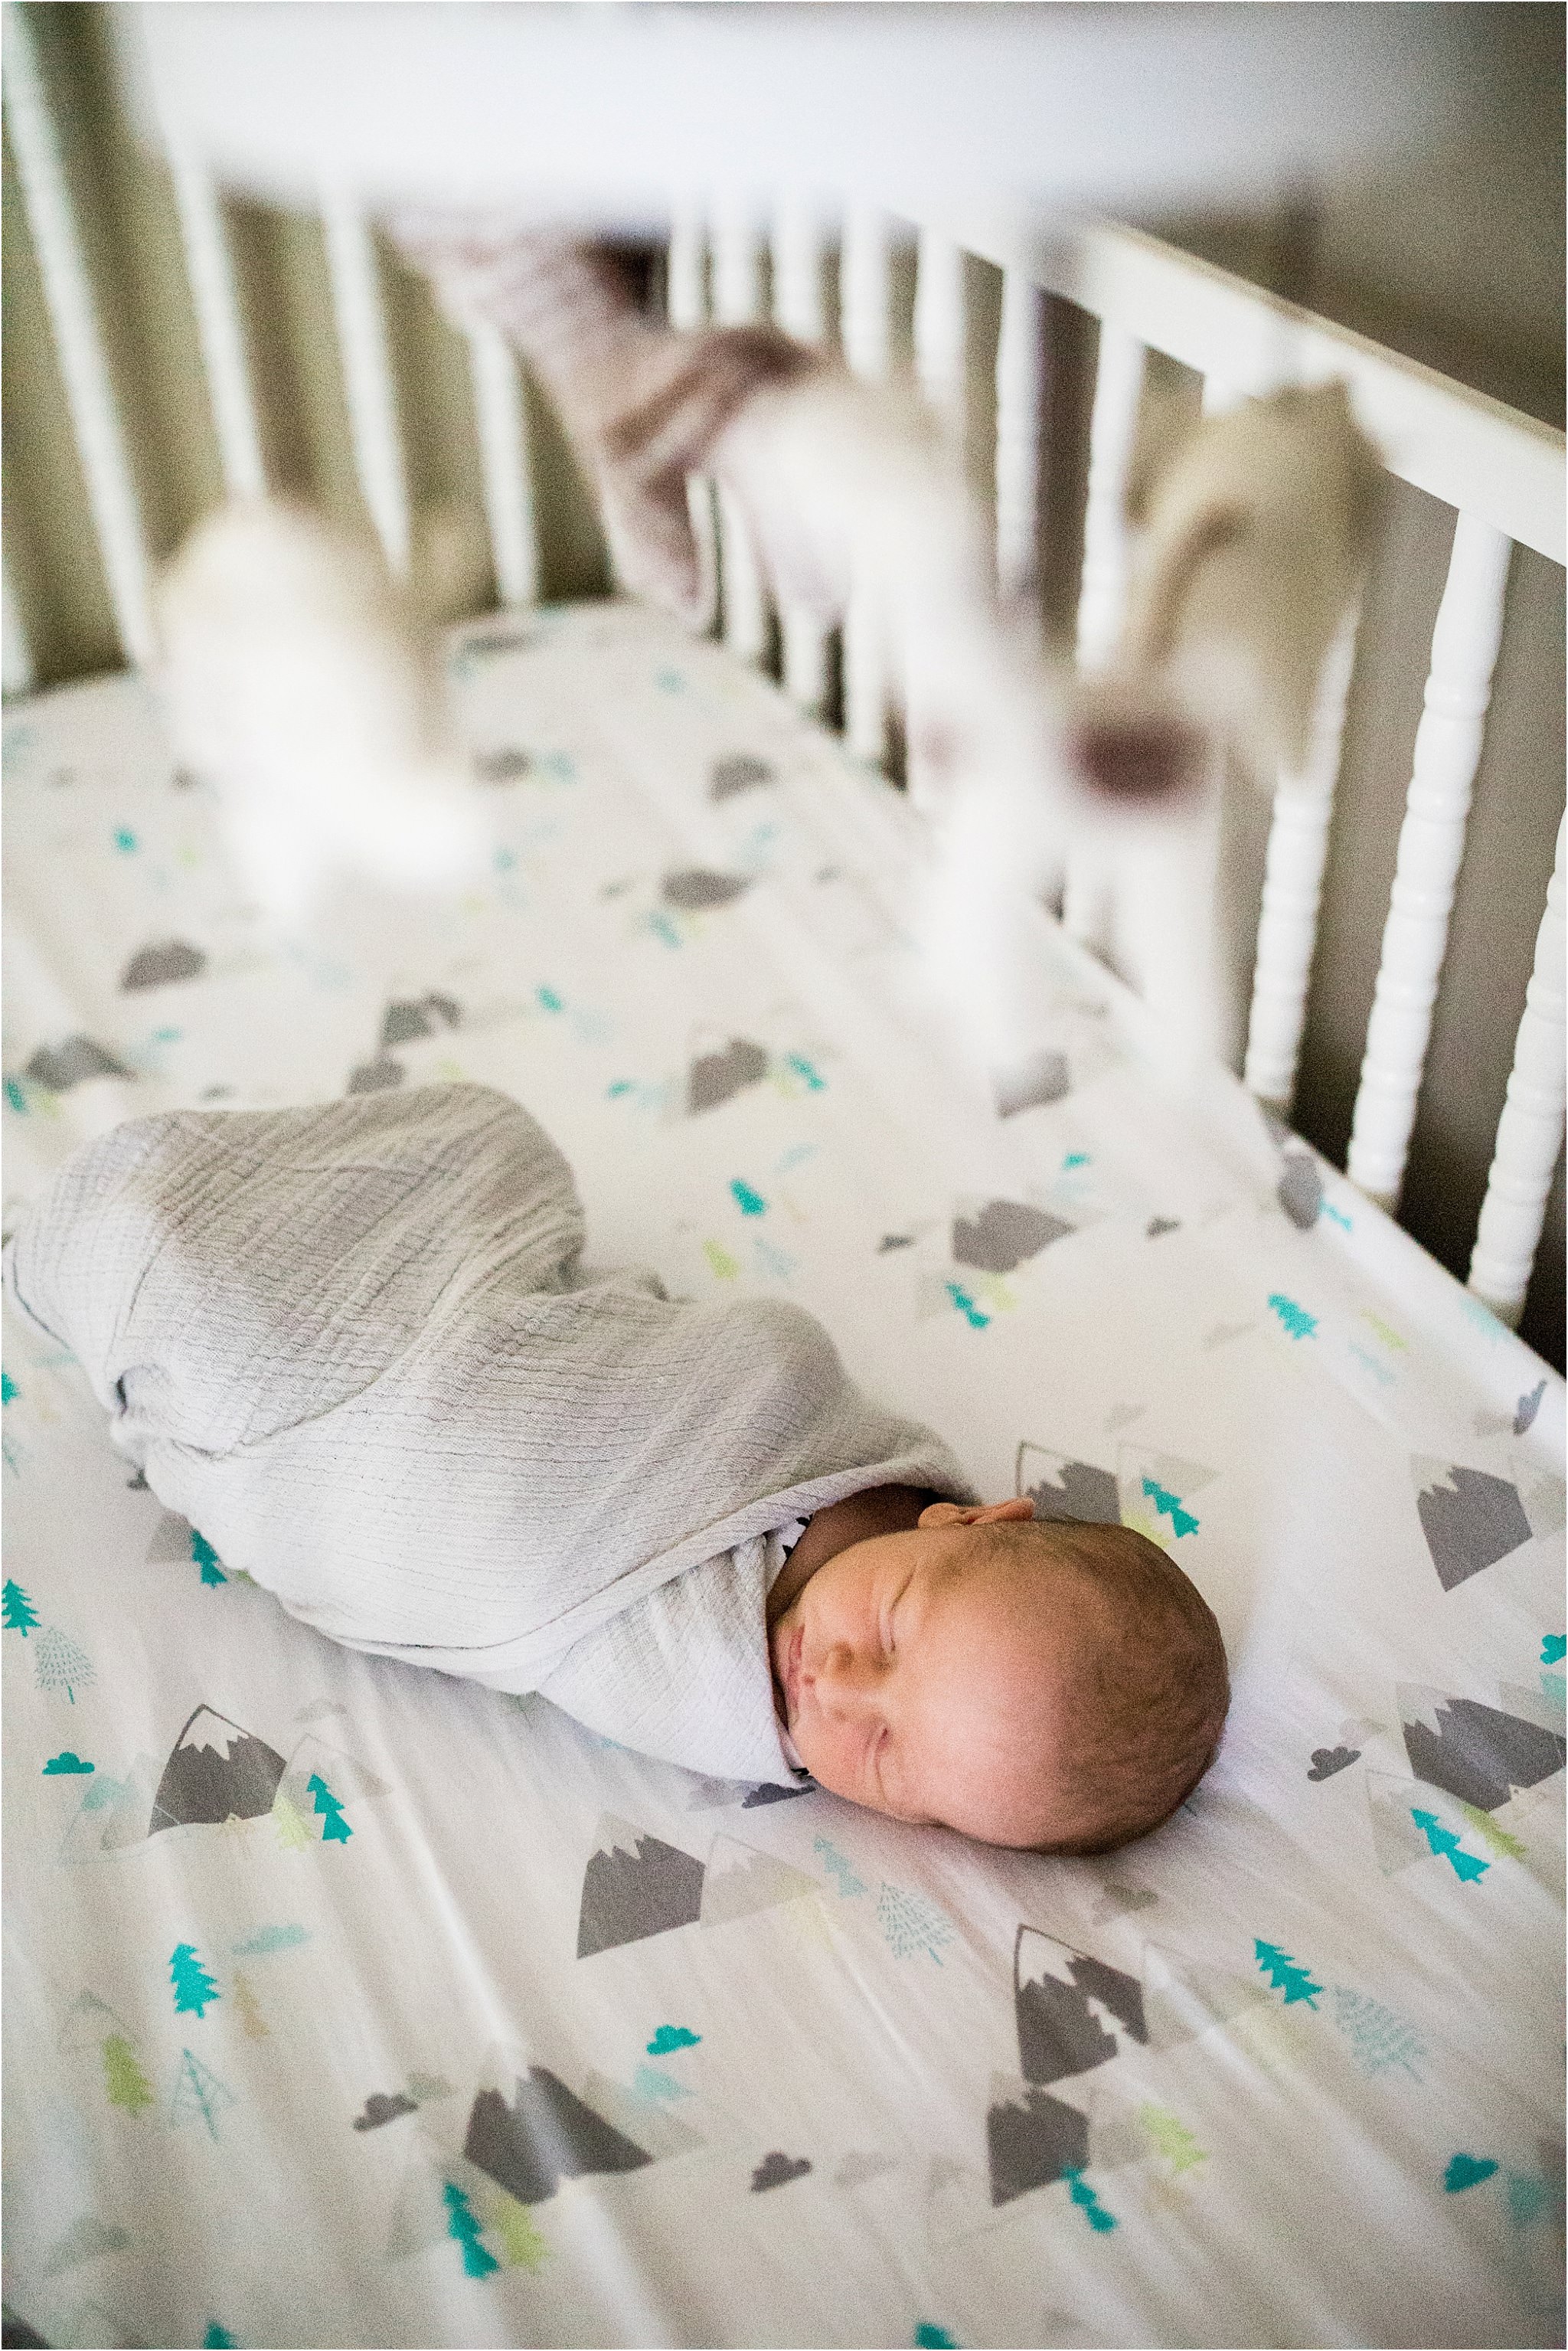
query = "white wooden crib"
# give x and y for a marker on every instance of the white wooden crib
(1500, 472)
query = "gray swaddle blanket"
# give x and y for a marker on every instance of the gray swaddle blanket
(357, 1346)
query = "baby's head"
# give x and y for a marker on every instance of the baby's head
(1042, 1684)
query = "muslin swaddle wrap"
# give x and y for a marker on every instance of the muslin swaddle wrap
(357, 1347)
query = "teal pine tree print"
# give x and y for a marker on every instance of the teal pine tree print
(197, 2091)
(1443, 1842)
(16, 1611)
(206, 1558)
(194, 1988)
(461, 2224)
(218, 2338)
(1083, 2196)
(1295, 1319)
(335, 1829)
(125, 2084)
(1285, 1975)
(1181, 1520)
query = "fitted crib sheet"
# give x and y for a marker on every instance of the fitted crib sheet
(350, 2004)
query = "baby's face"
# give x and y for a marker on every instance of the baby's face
(918, 1674)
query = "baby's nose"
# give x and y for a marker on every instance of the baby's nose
(846, 1681)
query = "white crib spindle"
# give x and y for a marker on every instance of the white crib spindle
(84, 366)
(1292, 886)
(687, 307)
(210, 269)
(1530, 1132)
(16, 675)
(501, 419)
(1086, 909)
(367, 374)
(737, 302)
(866, 325)
(1431, 844)
(801, 308)
(1020, 393)
(939, 348)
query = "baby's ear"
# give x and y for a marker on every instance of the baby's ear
(945, 1514)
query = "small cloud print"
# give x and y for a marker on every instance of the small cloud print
(668, 2037)
(1466, 2171)
(776, 2170)
(62, 1766)
(380, 2109)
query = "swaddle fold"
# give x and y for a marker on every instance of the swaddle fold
(357, 1346)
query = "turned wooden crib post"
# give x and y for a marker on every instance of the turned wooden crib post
(865, 296)
(799, 308)
(686, 309)
(1530, 1132)
(84, 366)
(209, 267)
(500, 416)
(1021, 403)
(1431, 845)
(1293, 885)
(367, 374)
(737, 302)
(1087, 899)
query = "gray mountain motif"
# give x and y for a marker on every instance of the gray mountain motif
(215, 1768)
(740, 1880)
(1300, 1189)
(1056, 1994)
(738, 773)
(373, 1076)
(545, 2135)
(84, 2240)
(1070, 1490)
(1003, 1234)
(777, 2169)
(698, 886)
(162, 963)
(424, 1016)
(1471, 1518)
(1476, 1752)
(1045, 1077)
(382, 2108)
(635, 1885)
(768, 1793)
(1158, 1225)
(171, 1541)
(1032, 2139)
(714, 1077)
(72, 1063)
(506, 766)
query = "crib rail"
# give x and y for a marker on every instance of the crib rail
(1501, 473)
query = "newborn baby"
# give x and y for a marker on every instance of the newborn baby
(358, 1348)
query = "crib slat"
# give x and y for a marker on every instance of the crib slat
(501, 418)
(939, 350)
(1086, 906)
(686, 307)
(737, 302)
(367, 374)
(866, 323)
(210, 269)
(1431, 844)
(84, 365)
(1530, 1132)
(16, 675)
(801, 308)
(1292, 886)
(1020, 401)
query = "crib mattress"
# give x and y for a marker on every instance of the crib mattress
(350, 2004)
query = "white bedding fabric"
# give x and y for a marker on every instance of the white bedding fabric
(347, 2004)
